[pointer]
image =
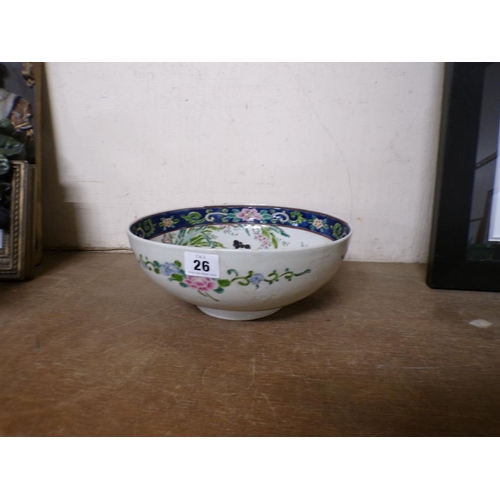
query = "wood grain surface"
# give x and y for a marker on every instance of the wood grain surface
(92, 347)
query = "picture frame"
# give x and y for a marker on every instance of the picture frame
(461, 255)
(17, 256)
(21, 232)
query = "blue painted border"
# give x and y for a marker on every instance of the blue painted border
(151, 226)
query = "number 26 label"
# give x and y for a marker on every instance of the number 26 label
(199, 264)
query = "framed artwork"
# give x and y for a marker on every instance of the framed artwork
(465, 238)
(20, 175)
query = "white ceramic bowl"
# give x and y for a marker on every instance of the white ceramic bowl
(240, 262)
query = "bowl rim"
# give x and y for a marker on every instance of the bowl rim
(160, 244)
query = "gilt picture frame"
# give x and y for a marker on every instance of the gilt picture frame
(464, 254)
(20, 154)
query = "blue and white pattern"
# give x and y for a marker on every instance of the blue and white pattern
(152, 226)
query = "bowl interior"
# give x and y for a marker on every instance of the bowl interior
(241, 227)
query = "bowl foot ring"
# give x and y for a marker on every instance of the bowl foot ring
(237, 315)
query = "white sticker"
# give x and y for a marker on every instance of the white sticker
(201, 264)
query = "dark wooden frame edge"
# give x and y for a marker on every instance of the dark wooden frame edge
(448, 266)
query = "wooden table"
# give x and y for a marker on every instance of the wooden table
(91, 347)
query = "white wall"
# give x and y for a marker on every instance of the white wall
(355, 140)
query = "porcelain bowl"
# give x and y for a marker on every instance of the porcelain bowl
(240, 262)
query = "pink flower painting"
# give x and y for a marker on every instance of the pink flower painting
(249, 214)
(199, 283)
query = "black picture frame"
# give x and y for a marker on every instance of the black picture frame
(450, 266)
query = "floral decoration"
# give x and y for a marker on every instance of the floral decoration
(168, 222)
(198, 236)
(206, 236)
(202, 285)
(163, 223)
(249, 214)
(319, 224)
